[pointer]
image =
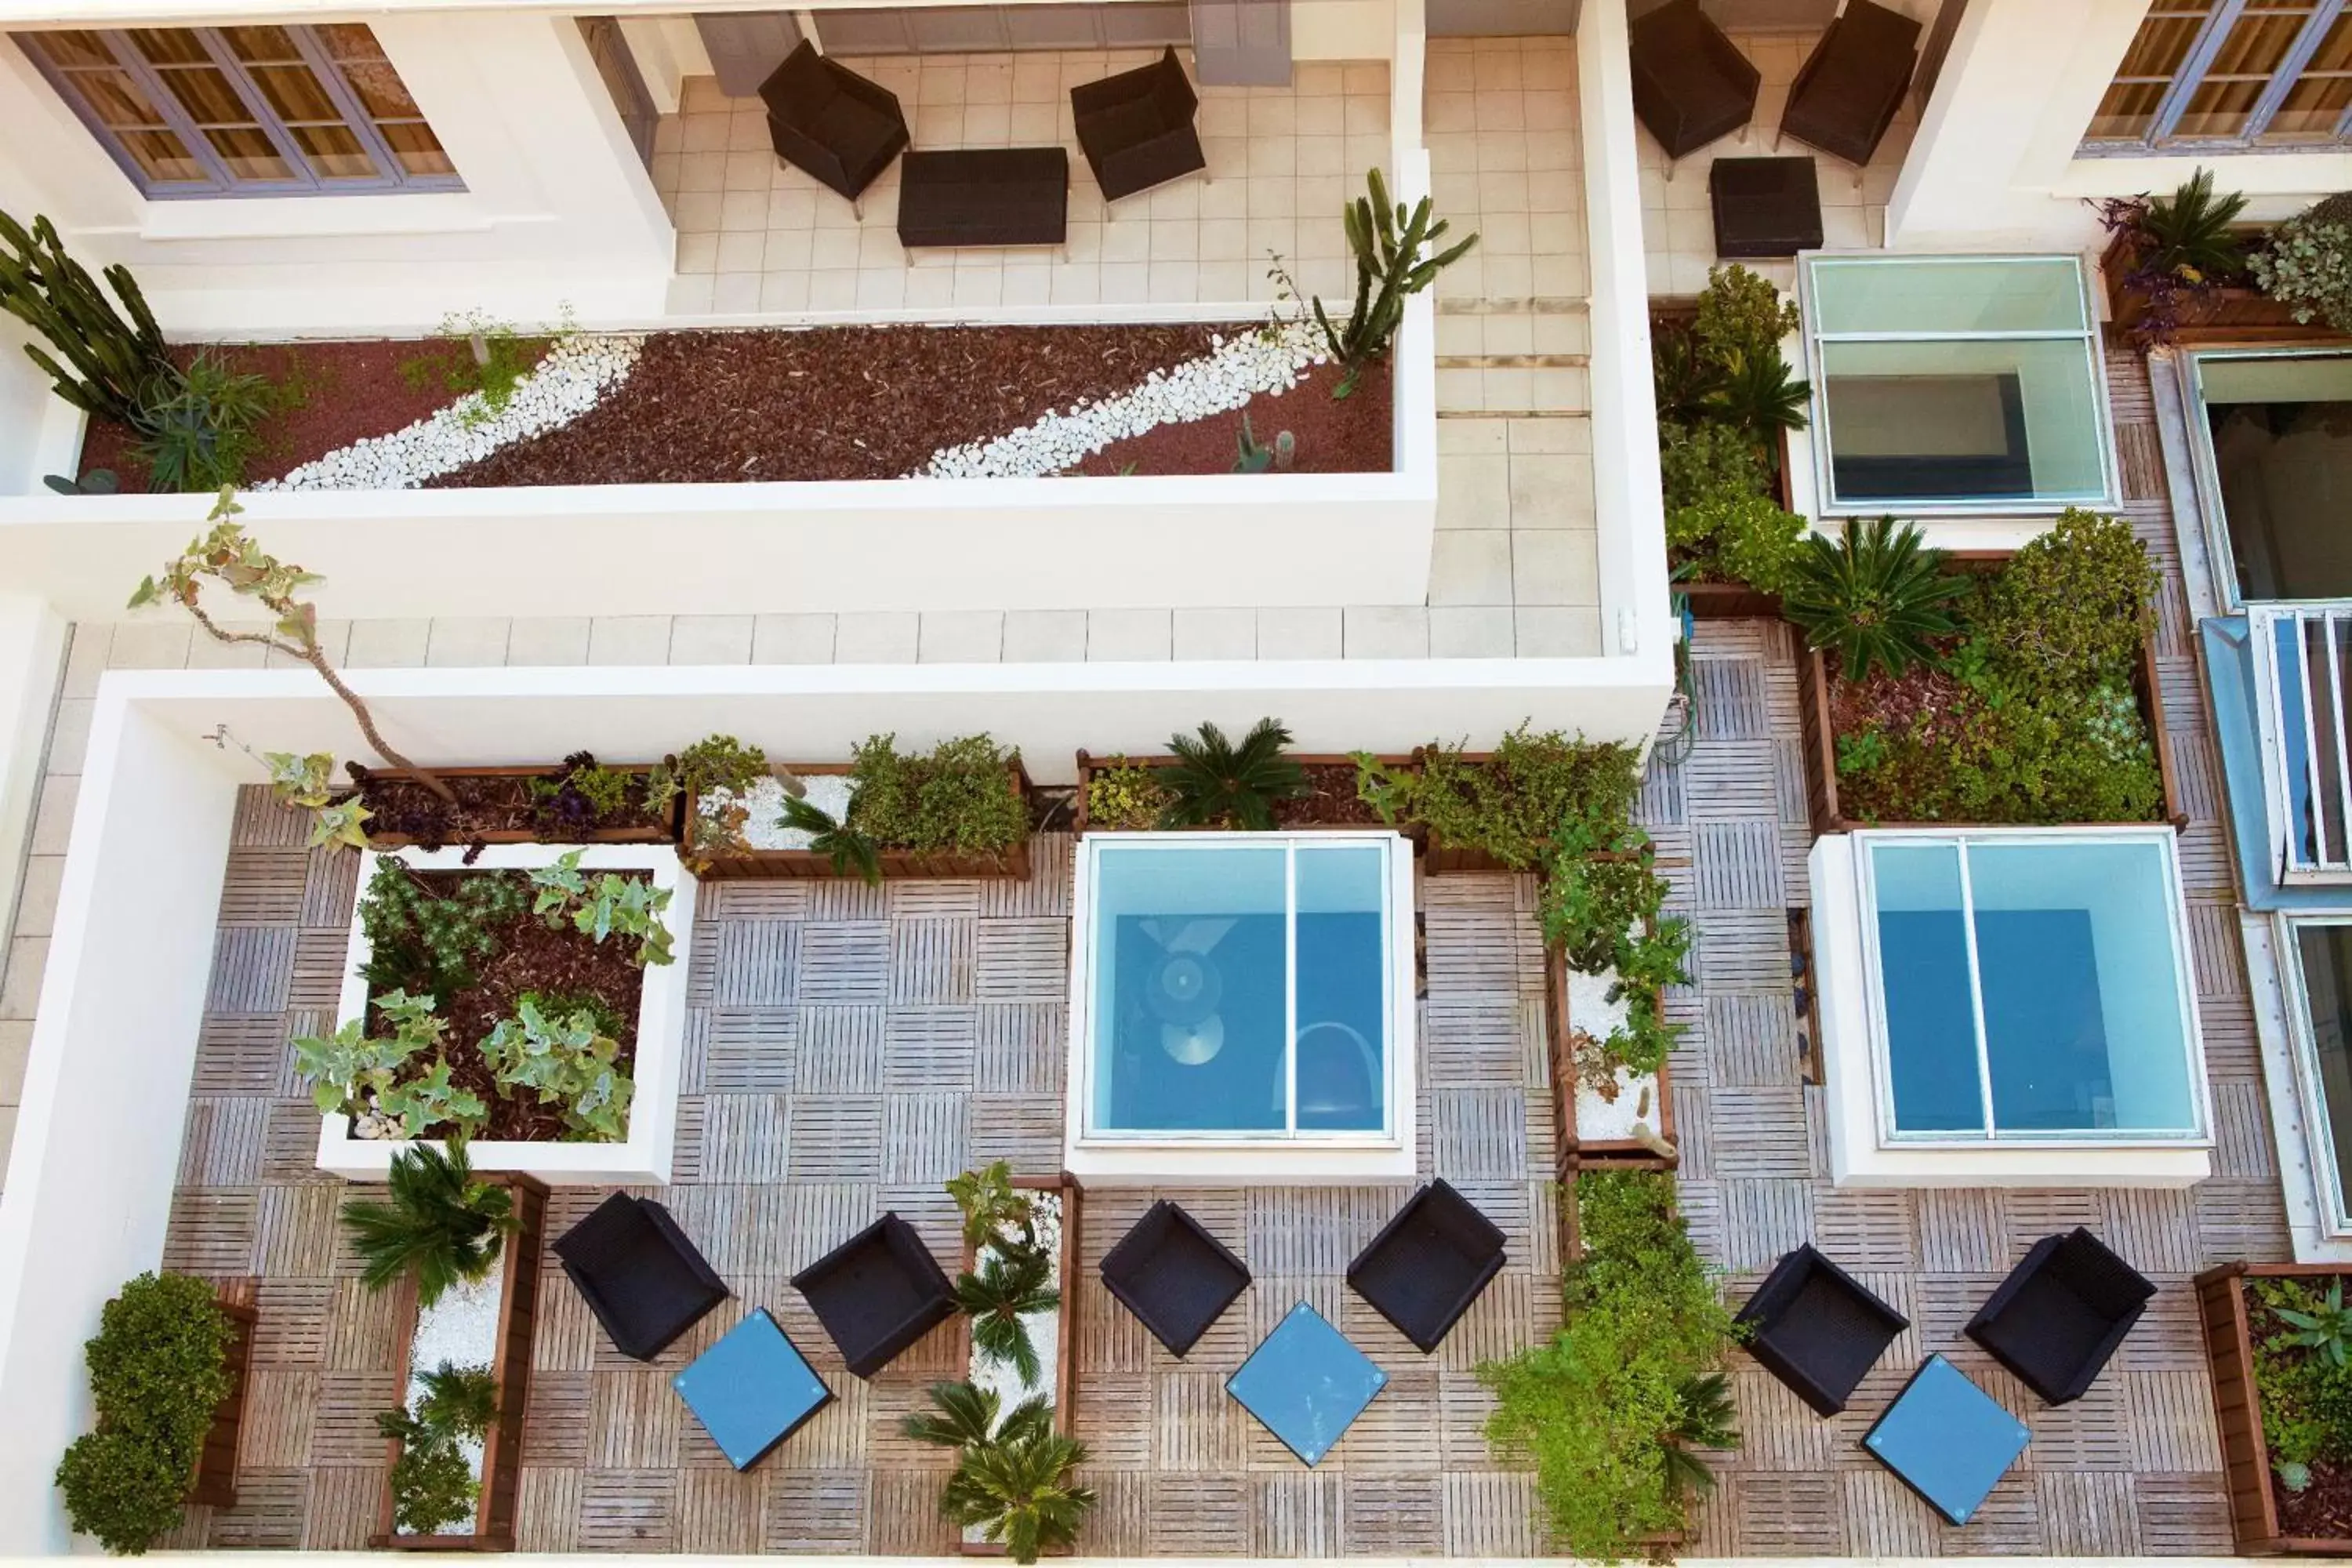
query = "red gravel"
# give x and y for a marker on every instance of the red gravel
(341, 392)
(1336, 435)
(832, 402)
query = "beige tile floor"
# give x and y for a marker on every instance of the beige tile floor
(755, 234)
(1676, 224)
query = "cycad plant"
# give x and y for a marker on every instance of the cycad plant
(1012, 1481)
(440, 1226)
(2189, 233)
(1389, 246)
(1214, 781)
(1874, 599)
(850, 851)
(1708, 1418)
(1008, 1287)
(1685, 377)
(1761, 395)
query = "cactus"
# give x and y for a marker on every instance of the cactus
(114, 361)
(1389, 246)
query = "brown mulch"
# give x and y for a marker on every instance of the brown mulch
(1923, 694)
(1330, 801)
(403, 811)
(2322, 1510)
(337, 394)
(831, 402)
(532, 956)
(1336, 435)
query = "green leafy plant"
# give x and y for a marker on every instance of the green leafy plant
(1013, 1480)
(1121, 795)
(2071, 607)
(158, 1372)
(1874, 599)
(848, 851)
(433, 1481)
(1215, 783)
(604, 906)
(1602, 908)
(2324, 1327)
(491, 359)
(569, 1060)
(1010, 1284)
(585, 796)
(1685, 377)
(957, 797)
(2305, 1393)
(226, 556)
(1710, 1418)
(1512, 805)
(1391, 247)
(439, 1225)
(96, 482)
(713, 762)
(462, 1401)
(995, 1212)
(2189, 234)
(1741, 314)
(350, 1070)
(1738, 536)
(1597, 1410)
(1252, 458)
(2307, 263)
(116, 358)
(1761, 395)
(337, 817)
(1705, 460)
(199, 426)
(427, 938)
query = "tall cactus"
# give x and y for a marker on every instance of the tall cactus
(114, 361)
(1389, 247)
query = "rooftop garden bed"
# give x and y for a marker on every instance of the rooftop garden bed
(2015, 691)
(1204, 780)
(580, 801)
(2280, 1341)
(2183, 267)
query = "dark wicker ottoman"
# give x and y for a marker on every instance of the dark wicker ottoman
(1173, 1275)
(1765, 206)
(994, 196)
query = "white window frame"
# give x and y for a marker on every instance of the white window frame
(2328, 1179)
(1989, 506)
(2198, 1135)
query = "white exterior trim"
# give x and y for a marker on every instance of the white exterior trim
(644, 1158)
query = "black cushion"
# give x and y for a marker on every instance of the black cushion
(1135, 128)
(2062, 1313)
(1818, 1329)
(1429, 1264)
(638, 1273)
(831, 123)
(1173, 1276)
(991, 195)
(877, 1293)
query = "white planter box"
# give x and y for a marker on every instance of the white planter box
(644, 1159)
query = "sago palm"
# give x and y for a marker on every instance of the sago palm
(850, 851)
(1018, 1492)
(2189, 232)
(1214, 781)
(441, 1226)
(1708, 1419)
(1761, 395)
(1006, 1289)
(964, 1416)
(1874, 598)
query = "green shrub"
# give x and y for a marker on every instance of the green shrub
(2049, 757)
(713, 762)
(199, 426)
(1761, 395)
(2307, 263)
(2306, 1397)
(1215, 783)
(440, 1226)
(1704, 461)
(1742, 313)
(1683, 376)
(157, 1372)
(1512, 805)
(1122, 795)
(1599, 1409)
(425, 940)
(2070, 610)
(1738, 538)
(433, 1481)
(957, 797)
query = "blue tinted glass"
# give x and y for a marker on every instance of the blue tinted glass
(1922, 962)
(1342, 1013)
(1948, 1438)
(1307, 1382)
(2294, 740)
(1189, 946)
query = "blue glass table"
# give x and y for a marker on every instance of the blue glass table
(1946, 1439)
(752, 1390)
(1307, 1384)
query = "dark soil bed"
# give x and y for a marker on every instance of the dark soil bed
(1330, 802)
(334, 394)
(532, 956)
(492, 805)
(2322, 1510)
(1336, 435)
(832, 402)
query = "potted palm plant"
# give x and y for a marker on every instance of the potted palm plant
(1208, 780)
(1020, 1245)
(1011, 1491)
(2178, 267)
(468, 1250)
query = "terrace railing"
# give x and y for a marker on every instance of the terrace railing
(2303, 671)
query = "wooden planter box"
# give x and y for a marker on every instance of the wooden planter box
(642, 831)
(1570, 1150)
(1066, 1357)
(2230, 315)
(1729, 601)
(896, 864)
(215, 1478)
(1818, 741)
(494, 1511)
(2238, 1404)
(1090, 765)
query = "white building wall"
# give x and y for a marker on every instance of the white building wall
(1995, 163)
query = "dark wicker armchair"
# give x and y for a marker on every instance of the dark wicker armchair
(1850, 86)
(829, 121)
(639, 1274)
(1817, 1329)
(1173, 1275)
(1135, 128)
(2061, 1313)
(877, 1293)
(1429, 1264)
(1691, 83)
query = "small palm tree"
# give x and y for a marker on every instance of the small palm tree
(1215, 782)
(848, 849)
(441, 1226)
(2189, 232)
(1874, 598)
(1008, 1286)
(967, 1415)
(1011, 1480)
(1708, 1419)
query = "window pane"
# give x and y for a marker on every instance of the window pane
(418, 149)
(294, 93)
(169, 46)
(2041, 294)
(2327, 954)
(116, 99)
(2127, 112)
(164, 158)
(2257, 45)
(1342, 1011)
(1931, 1042)
(249, 153)
(1962, 421)
(73, 49)
(1190, 955)
(334, 152)
(2079, 974)
(207, 96)
(2280, 429)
